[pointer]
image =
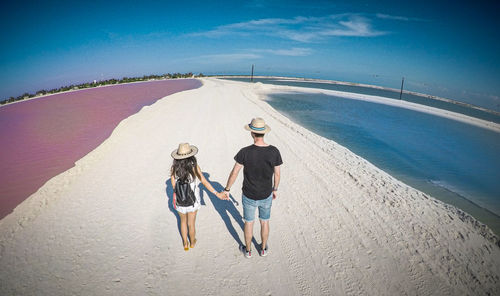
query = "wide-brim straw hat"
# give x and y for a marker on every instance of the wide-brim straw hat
(184, 151)
(258, 126)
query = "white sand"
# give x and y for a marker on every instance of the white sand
(340, 226)
(493, 126)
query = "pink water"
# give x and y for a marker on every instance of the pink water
(43, 137)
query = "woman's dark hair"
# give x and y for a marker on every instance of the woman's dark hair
(185, 169)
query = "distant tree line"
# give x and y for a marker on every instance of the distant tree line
(98, 83)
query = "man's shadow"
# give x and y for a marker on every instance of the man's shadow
(225, 208)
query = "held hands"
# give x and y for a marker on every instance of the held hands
(222, 195)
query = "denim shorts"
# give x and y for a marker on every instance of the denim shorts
(264, 205)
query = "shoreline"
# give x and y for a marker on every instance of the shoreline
(339, 226)
(45, 137)
(80, 89)
(267, 89)
(396, 103)
(487, 214)
(325, 81)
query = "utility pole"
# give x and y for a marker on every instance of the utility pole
(251, 79)
(401, 93)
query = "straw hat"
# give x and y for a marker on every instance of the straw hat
(258, 126)
(184, 151)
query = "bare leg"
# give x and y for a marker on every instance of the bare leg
(248, 235)
(191, 221)
(184, 229)
(264, 232)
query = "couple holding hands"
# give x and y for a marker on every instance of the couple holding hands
(261, 170)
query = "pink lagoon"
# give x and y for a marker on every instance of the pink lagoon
(44, 137)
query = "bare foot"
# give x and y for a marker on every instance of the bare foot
(193, 243)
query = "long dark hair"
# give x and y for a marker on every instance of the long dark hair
(185, 169)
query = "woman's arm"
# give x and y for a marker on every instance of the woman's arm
(208, 185)
(172, 180)
(174, 199)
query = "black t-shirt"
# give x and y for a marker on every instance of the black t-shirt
(258, 169)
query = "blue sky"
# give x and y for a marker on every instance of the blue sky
(444, 48)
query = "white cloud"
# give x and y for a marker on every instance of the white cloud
(300, 28)
(232, 56)
(223, 58)
(359, 27)
(295, 51)
(399, 18)
(252, 55)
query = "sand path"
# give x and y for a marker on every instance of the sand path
(340, 226)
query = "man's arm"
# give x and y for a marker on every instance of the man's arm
(232, 177)
(276, 180)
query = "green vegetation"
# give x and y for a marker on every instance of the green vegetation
(99, 83)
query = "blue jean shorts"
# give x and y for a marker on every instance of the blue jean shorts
(264, 205)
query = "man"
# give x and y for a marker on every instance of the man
(260, 162)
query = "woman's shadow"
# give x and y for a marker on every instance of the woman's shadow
(223, 207)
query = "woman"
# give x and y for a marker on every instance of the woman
(185, 168)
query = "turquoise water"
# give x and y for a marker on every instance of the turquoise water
(490, 116)
(450, 160)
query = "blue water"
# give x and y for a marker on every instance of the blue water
(455, 107)
(450, 160)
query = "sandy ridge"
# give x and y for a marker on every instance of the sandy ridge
(493, 126)
(339, 227)
(314, 80)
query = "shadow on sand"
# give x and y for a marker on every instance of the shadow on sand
(225, 209)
